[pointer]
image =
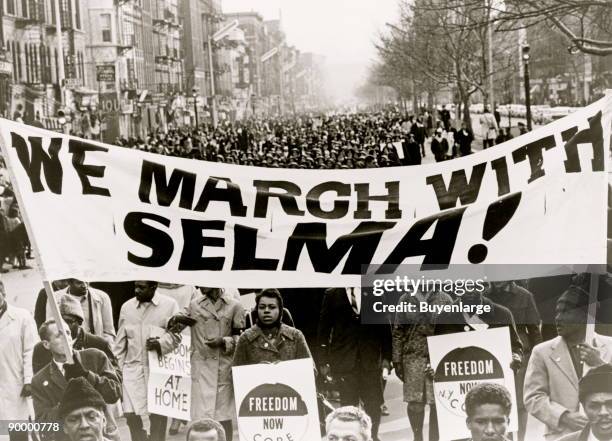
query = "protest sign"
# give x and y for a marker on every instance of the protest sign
(458, 368)
(104, 213)
(398, 148)
(169, 385)
(277, 401)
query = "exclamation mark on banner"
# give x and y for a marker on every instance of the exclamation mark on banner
(498, 215)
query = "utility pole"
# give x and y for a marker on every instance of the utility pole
(61, 75)
(525, 50)
(213, 101)
(281, 88)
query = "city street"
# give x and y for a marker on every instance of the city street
(23, 286)
(264, 155)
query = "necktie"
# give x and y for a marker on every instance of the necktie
(354, 301)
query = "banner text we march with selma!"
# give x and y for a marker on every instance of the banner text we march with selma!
(106, 213)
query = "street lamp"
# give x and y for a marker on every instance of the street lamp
(194, 94)
(525, 50)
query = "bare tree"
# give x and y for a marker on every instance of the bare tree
(587, 24)
(441, 48)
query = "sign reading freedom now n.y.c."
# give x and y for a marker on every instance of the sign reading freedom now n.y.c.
(100, 212)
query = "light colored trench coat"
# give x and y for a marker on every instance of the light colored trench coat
(136, 324)
(17, 339)
(212, 394)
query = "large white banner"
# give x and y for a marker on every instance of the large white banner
(104, 213)
(459, 367)
(277, 401)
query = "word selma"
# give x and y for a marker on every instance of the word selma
(356, 248)
(178, 187)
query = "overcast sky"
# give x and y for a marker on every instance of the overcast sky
(341, 30)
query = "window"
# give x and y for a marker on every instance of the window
(66, 12)
(77, 14)
(105, 20)
(10, 7)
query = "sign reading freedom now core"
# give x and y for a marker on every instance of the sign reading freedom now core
(106, 213)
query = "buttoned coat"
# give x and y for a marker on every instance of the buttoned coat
(254, 348)
(212, 393)
(551, 382)
(17, 339)
(138, 322)
(49, 383)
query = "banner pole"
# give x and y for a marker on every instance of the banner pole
(51, 301)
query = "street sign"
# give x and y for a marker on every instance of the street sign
(109, 104)
(288, 67)
(224, 30)
(106, 73)
(72, 83)
(269, 54)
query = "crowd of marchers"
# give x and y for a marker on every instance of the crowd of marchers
(564, 381)
(360, 140)
(336, 141)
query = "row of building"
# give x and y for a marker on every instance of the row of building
(140, 65)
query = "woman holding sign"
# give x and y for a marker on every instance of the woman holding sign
(269, 340)
(411, 360)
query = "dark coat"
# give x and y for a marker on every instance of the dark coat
(439, 148)
(445, 116)
(465, 141)
(521, 304)
(419, 133)
(344, 342)
(42, 356)
(48, 384)
(253, 348)
(451, 322)
(412, 153)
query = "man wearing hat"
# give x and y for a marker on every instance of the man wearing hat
(595, 394)
(556, 366)
(81, 410)
(49, 384)
(97, 308)
(72, 313)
